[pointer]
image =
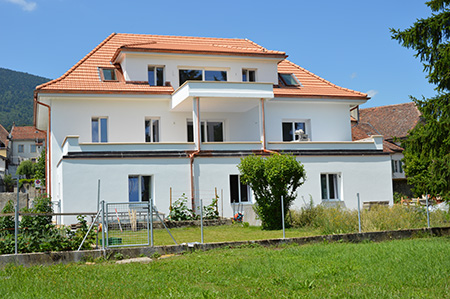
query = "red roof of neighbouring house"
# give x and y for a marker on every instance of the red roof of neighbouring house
(26, 133)
(84, 77)
(3, 136)
(392, 120)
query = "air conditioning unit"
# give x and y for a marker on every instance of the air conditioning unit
(301, 135)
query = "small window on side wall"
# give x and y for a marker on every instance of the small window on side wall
(99, 129)
(156, 75)
(248, 75)
(152, 130)
(329, 186)
(108, 74)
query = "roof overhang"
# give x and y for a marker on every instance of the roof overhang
(221, 96)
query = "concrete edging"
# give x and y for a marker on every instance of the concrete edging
(64, 257)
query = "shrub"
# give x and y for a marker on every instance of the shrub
(180, 210)
(210, 211)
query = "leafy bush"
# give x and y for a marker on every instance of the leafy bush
(210, 211)
(180, 210)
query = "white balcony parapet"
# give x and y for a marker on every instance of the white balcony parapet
(231, 146)
(372, 143)
(71, 144)
(234, 93)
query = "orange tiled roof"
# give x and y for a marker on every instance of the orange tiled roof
(25, 133)
(83, 77)
(364, 130)
(3, 137)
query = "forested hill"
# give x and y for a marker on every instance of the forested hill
(16, 97)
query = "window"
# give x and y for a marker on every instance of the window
(288, 80)
(156, 75)
(248, 75)
(397, 166)
(139, 188)
(99, 129)
(213, 130)
(289, 129)
(239, 192)
(152, 130)
(108, 74)
(20, 148)
(329, 186)
(202, 75)
(32, 148)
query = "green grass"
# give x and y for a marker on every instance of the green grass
(418, 268)
(224, 233)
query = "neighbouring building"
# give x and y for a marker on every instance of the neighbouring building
(152, 115)
(393, 122)
(26, 143)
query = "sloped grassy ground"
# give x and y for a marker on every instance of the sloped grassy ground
(416, 268)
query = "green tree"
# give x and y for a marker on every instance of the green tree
(427, 148)
(26, 168)
(39, 167)
(270, 178)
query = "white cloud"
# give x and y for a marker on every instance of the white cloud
(371, 93)
(26, 5)
(353, 75)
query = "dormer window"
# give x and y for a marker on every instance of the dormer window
(108, 74)
(288, 80)
(156, 75)
(248, 75)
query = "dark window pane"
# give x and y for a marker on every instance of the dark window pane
(215, 76)
(234, 188)
(287, 132)
(244, 76)
(109, 74)
(145, 188)
(103, 130)
(288, 79)
(215, 131)
(244, 193)
(160, 76)
(94, 130)
(299, 126)
(186, 75)
(251, 76)
(332, 186)
(155, 130)
(133, 188)
(190, 132)
(151, 76)
(147, 131)
(323, 184)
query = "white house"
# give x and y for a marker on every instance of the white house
(147, 113)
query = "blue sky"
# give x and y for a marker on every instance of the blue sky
(346, 42)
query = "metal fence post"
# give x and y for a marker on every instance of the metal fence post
(16, 219)
(103, 224)
(428, 211)
(359, 213)
(282, 216)
(201, 217)
(150, 209)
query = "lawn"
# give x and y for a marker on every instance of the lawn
(416, 268)
(224, 233)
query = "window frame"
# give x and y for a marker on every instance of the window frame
(100, 137)
(204, 129)
(240, 185)
(140, 178)
(31, 148)
(247, 74)
(307, 126)
(337, 186)
(155, 74)
(397, 166)
(151, 128)
(203, 75)
(102, 74)
(20, 148)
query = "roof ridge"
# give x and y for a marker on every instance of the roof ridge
(326, 81)
(184, 36)
(384, 106)
(78, 63)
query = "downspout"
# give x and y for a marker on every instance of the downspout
(48, 169)
(263, 116)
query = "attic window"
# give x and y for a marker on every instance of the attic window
(108, 74)
(288, 80)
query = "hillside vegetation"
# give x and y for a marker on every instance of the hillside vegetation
(16, 97)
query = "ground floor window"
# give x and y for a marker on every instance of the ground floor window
(329, 186)
(239, 192)
(139, 188)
